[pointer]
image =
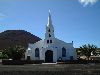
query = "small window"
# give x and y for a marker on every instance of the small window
(63, 52)
(47, 41)
(49, 35)
(37, 52)
(28, 57)
(50, 41)
(49, 30)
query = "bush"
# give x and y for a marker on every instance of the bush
(79, 61)
(21, 62)
(13, 62)
(15, 52)
(3, 56)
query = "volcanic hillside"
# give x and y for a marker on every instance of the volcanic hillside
(16, 37)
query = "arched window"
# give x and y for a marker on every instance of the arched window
(49, 30)
(49, 35)
(37, 52)
(50, 41)
(63, 52)
(47, 41)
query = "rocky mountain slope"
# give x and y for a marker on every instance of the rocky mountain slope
(16, 37)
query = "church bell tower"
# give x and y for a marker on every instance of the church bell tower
(49, 35)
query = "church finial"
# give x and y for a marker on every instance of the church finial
(49, 13)
(49, 19)
(49, 10)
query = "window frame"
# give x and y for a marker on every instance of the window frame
(49, 30)
(63, 52)
(37, 54)
(47, 41)
(49, 35)
(50, 41)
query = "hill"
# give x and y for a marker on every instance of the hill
(16, 37)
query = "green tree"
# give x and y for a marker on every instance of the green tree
(15, 52)
(3, 56)
(87, 50)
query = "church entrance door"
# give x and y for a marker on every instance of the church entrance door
(49, 56)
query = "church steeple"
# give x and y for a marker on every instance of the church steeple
(49, 19)
(49, 35)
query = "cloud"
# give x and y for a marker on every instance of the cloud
(87, 2)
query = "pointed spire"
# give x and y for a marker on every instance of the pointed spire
(49, 19)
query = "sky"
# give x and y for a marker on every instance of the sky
(73, 20)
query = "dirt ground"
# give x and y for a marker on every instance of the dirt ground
(52, 69)
(49, 67)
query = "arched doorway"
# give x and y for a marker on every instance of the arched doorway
(49, 56)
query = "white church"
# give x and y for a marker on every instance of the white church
(51, 49)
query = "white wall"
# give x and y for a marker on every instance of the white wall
(56, 47)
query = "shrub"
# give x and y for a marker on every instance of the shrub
(3, 56)
(15, 52)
